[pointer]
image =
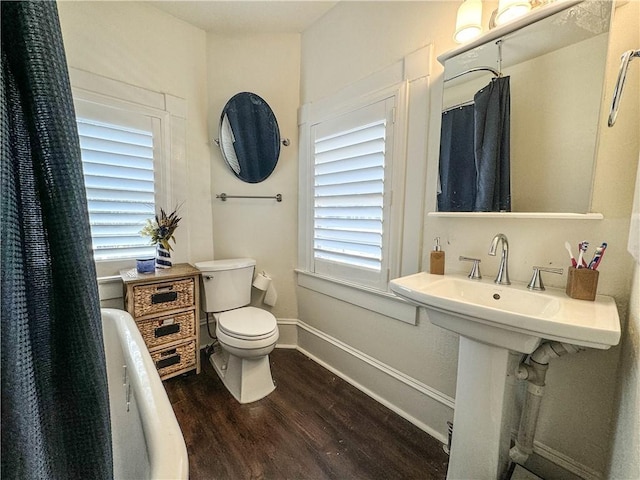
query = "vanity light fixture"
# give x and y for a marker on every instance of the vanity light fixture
(511, 9)
(468, 21)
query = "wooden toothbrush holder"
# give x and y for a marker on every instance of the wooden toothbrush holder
(582, 283)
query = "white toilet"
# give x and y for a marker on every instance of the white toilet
(246, 334)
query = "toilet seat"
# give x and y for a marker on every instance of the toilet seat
(247, 323)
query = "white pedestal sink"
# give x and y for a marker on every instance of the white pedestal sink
(497, 324)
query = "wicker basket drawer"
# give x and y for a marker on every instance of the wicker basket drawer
(161, 297)
(158, 331)
(175, 359)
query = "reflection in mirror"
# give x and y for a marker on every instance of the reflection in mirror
(249, 137)
(556, 70)
(475, 152)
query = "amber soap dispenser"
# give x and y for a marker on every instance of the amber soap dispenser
(437, 259)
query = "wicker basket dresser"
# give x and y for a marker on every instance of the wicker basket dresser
(165, 305)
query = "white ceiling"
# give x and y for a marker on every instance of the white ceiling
(244, 16)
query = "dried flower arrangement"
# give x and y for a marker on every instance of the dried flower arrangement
(162, 228)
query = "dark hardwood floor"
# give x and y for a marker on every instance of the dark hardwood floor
(313, 426)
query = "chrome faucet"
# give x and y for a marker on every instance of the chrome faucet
(503, 271)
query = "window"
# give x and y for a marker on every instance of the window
(118, 165)
(133, 144)
(361, 190)
(352, 156)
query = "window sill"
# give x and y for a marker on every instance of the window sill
(377, 301)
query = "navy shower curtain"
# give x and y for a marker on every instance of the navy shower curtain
(55, 410)
(457, 162)
(492, 147)
(475, 153)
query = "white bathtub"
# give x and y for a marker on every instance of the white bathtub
(147, 440)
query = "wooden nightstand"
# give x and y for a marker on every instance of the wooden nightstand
(165, 305)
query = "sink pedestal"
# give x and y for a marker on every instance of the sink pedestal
(482, 421)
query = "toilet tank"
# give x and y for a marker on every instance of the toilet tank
(226, 284)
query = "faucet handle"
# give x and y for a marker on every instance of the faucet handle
(474, 274)
(536, 280)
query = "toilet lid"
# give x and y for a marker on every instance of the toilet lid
(247, 322)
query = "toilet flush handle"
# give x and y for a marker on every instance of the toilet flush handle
(207, 277)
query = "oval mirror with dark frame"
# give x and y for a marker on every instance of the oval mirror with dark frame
(249, 137)
(556, 71)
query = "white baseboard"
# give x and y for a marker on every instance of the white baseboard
(382, 367)
(564, 462)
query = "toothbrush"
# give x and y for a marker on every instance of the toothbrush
(583, 248)
(567, 245)
(597, 257)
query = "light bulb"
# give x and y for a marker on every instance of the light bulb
(511, 9)
(468, 21)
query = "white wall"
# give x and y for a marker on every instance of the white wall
(137, 44)
(625, 447)
(575, 420)
(625, 453)
(268, 65)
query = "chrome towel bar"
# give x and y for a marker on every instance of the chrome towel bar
(224, 196)
(622, 76)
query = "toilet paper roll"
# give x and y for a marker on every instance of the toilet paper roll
(271, 296)
(262, 281)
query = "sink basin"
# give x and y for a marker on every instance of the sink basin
(511, 317)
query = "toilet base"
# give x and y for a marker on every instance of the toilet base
(247, 379)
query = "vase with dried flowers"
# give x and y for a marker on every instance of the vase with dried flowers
(161, 230)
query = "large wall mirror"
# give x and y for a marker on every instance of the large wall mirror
(249, 137)
(555, 69)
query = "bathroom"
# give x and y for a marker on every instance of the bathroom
(141, 45)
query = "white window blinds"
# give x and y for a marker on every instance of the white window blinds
(118, 164)
(351, 157)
